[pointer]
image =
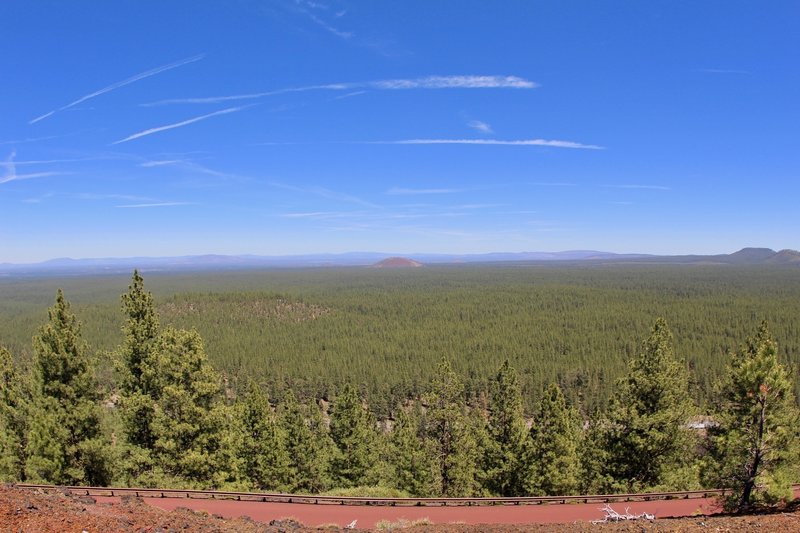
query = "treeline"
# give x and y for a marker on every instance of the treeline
(171, 420)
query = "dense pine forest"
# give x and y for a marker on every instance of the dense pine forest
(385, 331)
(448, 381)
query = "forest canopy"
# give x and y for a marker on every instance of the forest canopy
(166, 416)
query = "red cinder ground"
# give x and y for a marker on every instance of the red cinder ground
(53, 511)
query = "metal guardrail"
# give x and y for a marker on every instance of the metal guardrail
(357, 500)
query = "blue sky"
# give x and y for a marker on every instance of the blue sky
(144, 128)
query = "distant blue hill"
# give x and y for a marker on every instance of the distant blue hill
(68, 266)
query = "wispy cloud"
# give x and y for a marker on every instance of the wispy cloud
(529, 142)
(482, 127)
(638, 186)
(319, 215)
(119, 84)
(96, 196)
(9, 173)
(306, 6)
(10, 169)
(19, 177)
(337, 32)
(350, 95)
(554, 184)
(161, 163)
(53, 161)
(179, 124)
(324, 193)
(456, 82)
(39, 199)
(429, 82)
(157, 204)
(248, 96)
(402, 191)
(32, 139)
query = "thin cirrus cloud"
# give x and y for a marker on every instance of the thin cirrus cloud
(155, 204)
(162, 162)
(306, 7)
(119, 84)
(9, 167)
(179, 124)
(323, 193)
(32, 139)
(248, 96)
(404, 191)
(337, 32)
(494, 142)
(639, 186)
(480, 126)
(456, 82)
(17, 177)
(428, 82)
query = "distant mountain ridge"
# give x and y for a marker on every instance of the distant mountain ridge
(745, 256)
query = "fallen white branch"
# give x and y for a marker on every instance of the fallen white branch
(614, 516)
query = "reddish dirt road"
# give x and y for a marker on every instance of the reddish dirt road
(369, 516)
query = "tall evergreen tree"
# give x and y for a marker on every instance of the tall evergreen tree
(262, 451)
(65, 444)
(141, 329)
(352, 430)
(646, 433)
(189, 422)
(309, 445)
(13, 420)
(410, 456)
(137, 383)
(593, 456)
(753, 448)
(176, 422)
(506, 458)
(555, 440)
(447, 428)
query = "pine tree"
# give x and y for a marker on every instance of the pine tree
(447, 428)
(594, 456)
(506, 457)
(141, 330)
(646, 433)
(190, 419)
(410, 456)
(13, 420)
(308, 444)
(65, 444)
(138, 388)
(262, 451)
(352, 430)
(555, 440)
(177, 426)
(751, 449)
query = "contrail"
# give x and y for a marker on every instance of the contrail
(11, 171)
(429, 82)
(530, 142)
(122, 83)
(179, 124)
